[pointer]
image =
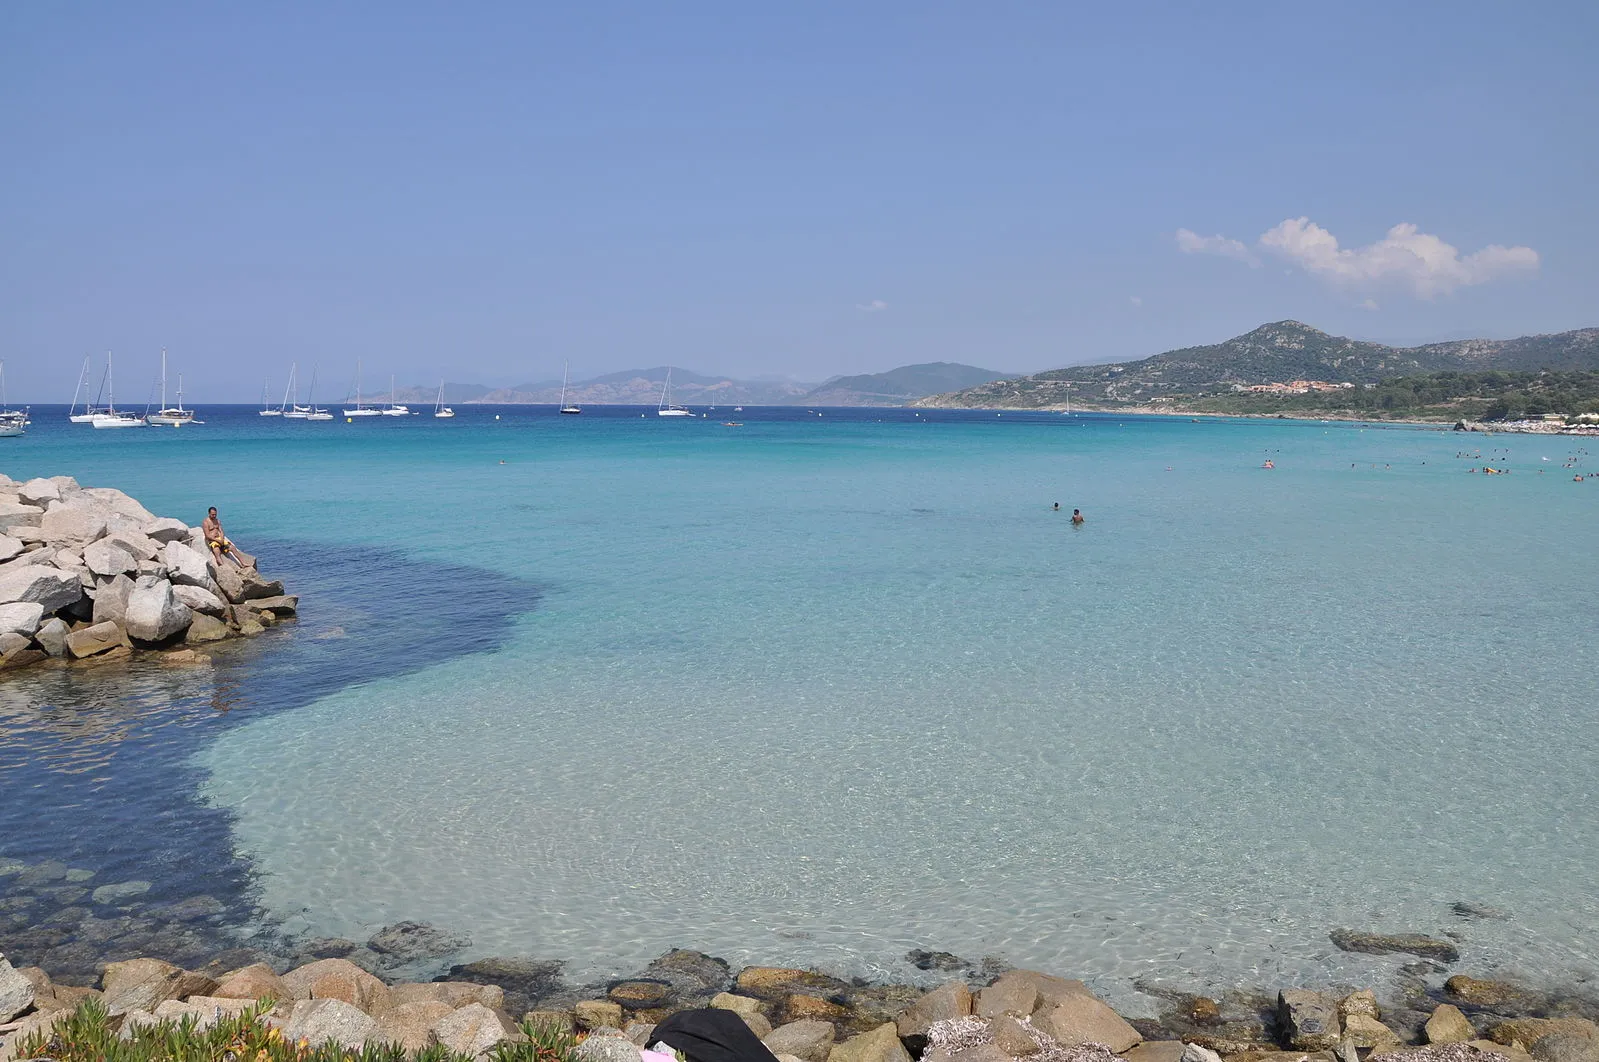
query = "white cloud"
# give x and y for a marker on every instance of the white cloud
(1135, 300)
(875, 306)
(1193, 243)
(1369, 304)
(1406, 258)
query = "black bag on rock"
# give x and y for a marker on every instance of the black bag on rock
(710, 1034)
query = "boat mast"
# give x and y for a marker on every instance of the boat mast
(285, 406)
(83, 378)
(163, 378)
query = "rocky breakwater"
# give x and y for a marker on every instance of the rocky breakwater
(801, 1015)
(88, 572)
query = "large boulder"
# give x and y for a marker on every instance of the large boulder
(199, 599)
(283, 606)
(1085, 1020)
(154, 612)
(38, 492)
(259, 981)
(52, 636)
(113, 500)
(953, 1000)
(410, 1024)
(166, 529)
(1309, 1020)
(407, 942)
(256, 587)
(320, 1021)
(1388, 943)
(205, 1011)
(136, 543)
(16, 651)
(10, 548)
(73, 523)
(473, 1030)
(338, 979)
(204, 628)
(880, 1045)
(776, 982)
(16, 992)
(451, 993)
(111, 600)
(1008, 995)
(14, 515)
(107, 558)
(228, 579)
(21, 617)
(52, 588)
(144, 984)
(809, 1041)
(186, 566)
(94, 640)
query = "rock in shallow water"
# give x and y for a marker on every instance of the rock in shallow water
(1390, 943)
(1309, 1019)
(407, 942)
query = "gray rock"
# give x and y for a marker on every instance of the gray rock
(16, 992)
(407, 942)
(1085, 1020)
(282, 606)
(15, 651)
(880, 1045)
(52, 636)
(10, 548)
(108, 558)
(953, 1000)
(185, 565)
(199, 599)
(38, 492)
(204, 629)
(206, 1011)
(166, 529)
(1008, 995)
(14, 515)
(607, 1048)
(807, 1040)
(410, 1025)
(115, 501)
(136, 543)
(21, 617)
(50, 587)
(472, 1030)
(1196, 1053)
(1566, 1047)
(1309, 1020)
(73, 523)
(42, 873)
(1013, 1038)
(126, 890)
(154, 613)
(111, 600)
(78, 874)
(1388, 943)
(229, 581)
(322, 1020)
(96, 639)
(1449, 1026)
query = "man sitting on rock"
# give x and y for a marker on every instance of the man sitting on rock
(217, 541)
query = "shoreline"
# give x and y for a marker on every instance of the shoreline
(1341, 416)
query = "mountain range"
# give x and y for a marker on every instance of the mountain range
(643, 387)
(1273, 353)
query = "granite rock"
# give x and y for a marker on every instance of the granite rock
(1085, 1020)
(320, 1021)
(473, 1030)
(809, 1041)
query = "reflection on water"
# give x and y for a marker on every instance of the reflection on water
(105, 851)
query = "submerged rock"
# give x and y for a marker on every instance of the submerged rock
(407, 942)
(1389, 943)
(1309, 1020)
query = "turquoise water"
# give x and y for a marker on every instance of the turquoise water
(820, 689)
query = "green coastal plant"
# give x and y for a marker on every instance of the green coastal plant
(90, 1035)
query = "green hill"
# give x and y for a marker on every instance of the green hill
(1272, 353)
(898, 386)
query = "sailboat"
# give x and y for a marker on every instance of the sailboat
(666, 408)
(266, 403)
(176, 416)
(573, 409)
(110, 418)
(12, 421)
(292, 410)
(88, 408)
(311, 411)
(394, 410)
(439, 408)
(360, 410)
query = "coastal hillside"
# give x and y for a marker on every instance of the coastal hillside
(899, 386)
(1276, 353)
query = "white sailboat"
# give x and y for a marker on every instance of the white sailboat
(110, 418)
(666, 408)
(12, 421)
(439, 408)
(360, 410)
(394, 410)
(266, 403)
(291, 408)
(175, 416)
(573, 408)
(88, 408)
(311, 411)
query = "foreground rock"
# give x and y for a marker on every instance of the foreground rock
(89, 573)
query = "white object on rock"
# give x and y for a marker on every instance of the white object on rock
(154, 613)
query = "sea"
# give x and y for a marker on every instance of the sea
(818, 687)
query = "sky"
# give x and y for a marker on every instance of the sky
(484, 191)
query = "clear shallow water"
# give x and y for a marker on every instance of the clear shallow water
(822, 689)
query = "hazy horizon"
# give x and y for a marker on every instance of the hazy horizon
(484, 194)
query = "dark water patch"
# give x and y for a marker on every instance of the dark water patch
(106, 850)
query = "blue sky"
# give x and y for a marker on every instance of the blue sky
(482, 190)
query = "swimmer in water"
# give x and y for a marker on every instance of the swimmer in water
(1057, 507)
(1077, 516)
